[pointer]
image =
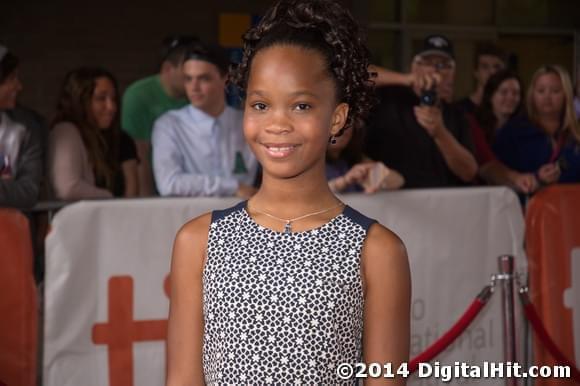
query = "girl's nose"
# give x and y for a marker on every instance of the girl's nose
(280, 123)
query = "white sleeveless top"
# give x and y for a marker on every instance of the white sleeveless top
(282, 308)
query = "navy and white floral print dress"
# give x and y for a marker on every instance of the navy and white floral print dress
(282, 308)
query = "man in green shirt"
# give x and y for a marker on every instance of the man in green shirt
(146, 99)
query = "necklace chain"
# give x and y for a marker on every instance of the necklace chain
(288, 222)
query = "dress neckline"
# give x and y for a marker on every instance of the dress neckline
(244, 206)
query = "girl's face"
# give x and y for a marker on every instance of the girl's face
(103, 103)
(548, 94)
(506, 98)
(291, 110)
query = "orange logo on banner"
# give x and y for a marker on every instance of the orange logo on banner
(553, 248)
(121, 331)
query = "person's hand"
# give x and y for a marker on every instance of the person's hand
(431, 118)
(549, 173)
(381, 177)
(525, 183)
(420, 80)
(245, 191)
(358, 173)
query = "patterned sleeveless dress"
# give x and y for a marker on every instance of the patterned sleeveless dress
(282, 308)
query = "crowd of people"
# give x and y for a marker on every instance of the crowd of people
(174, 134)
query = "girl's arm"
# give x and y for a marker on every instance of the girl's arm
(387, 287)
(185, 328)
(129, 168)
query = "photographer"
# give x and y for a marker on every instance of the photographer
(414, 129)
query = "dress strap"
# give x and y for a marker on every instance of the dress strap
(221, 213)
(359, 218)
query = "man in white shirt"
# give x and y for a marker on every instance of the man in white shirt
(200, 150)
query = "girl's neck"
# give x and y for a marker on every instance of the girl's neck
(549, 123)
(293, 197)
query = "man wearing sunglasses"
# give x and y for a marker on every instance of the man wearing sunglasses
(415, 129)
(147, 99)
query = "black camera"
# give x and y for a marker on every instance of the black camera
(428, 97)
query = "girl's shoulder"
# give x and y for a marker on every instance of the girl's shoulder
(381, 240)
(198, 228)
(191, 242)
(195, 228)
(384, 259)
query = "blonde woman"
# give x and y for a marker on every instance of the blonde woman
(547, 141)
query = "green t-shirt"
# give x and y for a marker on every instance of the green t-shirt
(143, 102)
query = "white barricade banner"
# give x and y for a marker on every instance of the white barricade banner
(107, 265)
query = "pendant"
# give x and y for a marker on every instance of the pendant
(287, 228)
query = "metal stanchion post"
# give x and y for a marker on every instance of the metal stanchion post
(506, 276)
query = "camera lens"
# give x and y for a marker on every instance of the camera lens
(428, 97)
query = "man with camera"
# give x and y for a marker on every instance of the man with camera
(415, 129)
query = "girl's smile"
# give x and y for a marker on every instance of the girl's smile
(280, 150)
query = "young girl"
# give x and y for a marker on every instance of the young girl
(286, 287)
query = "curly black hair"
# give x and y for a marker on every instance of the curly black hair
(324, 26)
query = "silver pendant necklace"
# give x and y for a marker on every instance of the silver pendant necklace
(288, 222)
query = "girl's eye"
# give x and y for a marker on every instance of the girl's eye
(303, 107)
(259, 106)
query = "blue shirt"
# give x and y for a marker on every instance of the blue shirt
(525, 147)
(195, 154)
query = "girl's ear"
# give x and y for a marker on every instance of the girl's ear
(339, 118)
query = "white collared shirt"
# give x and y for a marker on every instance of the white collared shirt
(195, 154)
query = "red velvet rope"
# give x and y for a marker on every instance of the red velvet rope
(445, 340)
(542, 334)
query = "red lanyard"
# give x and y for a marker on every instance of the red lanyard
(556, 150)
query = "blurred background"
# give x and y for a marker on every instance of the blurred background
(53, 37)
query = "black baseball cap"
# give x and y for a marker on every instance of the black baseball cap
(437, 45)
